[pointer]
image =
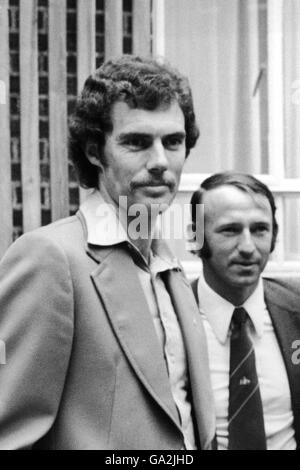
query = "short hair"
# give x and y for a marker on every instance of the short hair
(242, 181)
(142, 83)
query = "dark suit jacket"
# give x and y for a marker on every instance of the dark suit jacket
(283, 302)
(85, 369)
(282, 297)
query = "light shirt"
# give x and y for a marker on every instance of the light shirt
(104, 228)
(273, 381)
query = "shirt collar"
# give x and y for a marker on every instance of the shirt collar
(161, 258)
(104, 228)
(218, 310)
(255, 306)
(103, 225)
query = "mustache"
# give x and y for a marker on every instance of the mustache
(154, 182)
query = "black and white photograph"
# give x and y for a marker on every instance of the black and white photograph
(150, 227)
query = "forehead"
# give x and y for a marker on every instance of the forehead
(228, 203)
(162, 120)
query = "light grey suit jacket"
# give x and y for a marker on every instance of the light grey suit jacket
(84, 366)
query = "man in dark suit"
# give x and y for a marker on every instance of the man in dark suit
(252, 324)
(104, 345)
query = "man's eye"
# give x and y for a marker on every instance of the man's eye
(136, 143)
(172, 142)
(261, 229)
(230, 230)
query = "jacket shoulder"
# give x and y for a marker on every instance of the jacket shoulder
(286, 290)
(67, 230)
(65, 236)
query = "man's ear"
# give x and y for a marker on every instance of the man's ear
(92, 153)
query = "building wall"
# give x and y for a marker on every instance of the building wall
(43, 82)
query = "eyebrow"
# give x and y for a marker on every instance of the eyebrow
(180, 135)
(128, 135)
(225, 225)
(263, 222)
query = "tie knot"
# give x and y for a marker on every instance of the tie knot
(239, 317)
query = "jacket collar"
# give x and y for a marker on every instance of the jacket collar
(116, 282)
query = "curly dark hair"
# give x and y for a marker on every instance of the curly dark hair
(142, 83)
(242, 181)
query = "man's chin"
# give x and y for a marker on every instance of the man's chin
(246, 270)
(161, 201)
(245, 280)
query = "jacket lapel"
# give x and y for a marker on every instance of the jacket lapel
(284, 309)
(118, 286)
(196, 349)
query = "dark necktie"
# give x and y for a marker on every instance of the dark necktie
(245, 417)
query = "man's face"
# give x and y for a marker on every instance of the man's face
(144, 154)
(238, 230)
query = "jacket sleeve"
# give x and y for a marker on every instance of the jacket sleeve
(36, 331)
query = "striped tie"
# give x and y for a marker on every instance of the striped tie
(245, 417)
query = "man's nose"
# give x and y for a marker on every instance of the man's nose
(157, 161)
(246, 244)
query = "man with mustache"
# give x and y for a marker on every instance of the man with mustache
(102, 331)
(252, 324)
